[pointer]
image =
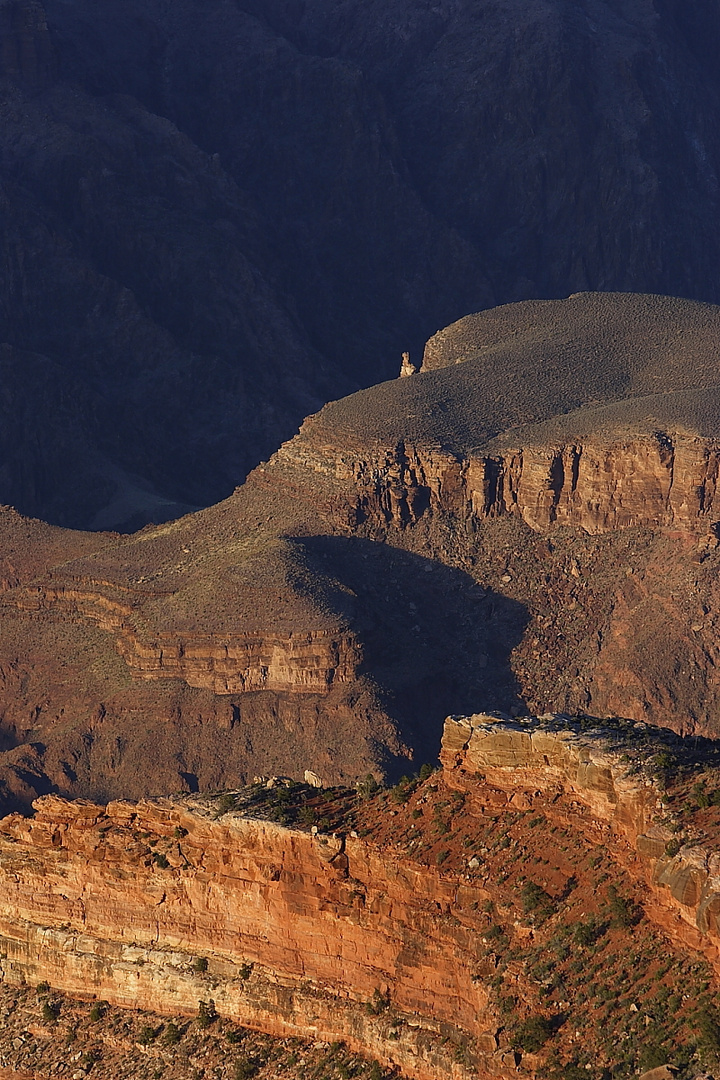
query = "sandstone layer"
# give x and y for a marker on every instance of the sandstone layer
(341, 937)
(497, 531)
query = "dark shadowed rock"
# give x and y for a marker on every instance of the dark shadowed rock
(220, 215)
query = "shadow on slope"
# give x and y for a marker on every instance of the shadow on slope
(434, 642)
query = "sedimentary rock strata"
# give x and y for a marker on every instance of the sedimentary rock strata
(494, 532)
(366, 939)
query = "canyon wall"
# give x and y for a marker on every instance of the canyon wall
(301, 661)
(623, 802)
(598, 484)
(331, 935)
(301, 932)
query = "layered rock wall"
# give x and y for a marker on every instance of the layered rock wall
(301, 932)
(302, 661)
(597, 485)
(683, 878)
(331, 936)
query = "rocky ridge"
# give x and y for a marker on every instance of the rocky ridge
(384, 943)
(246, 212)
(491, 530)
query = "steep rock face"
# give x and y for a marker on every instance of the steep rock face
(301, 662)
(660, 480)
(684, 880)
(490, 531)
(324, 924)
(247, 209)
(341, 937)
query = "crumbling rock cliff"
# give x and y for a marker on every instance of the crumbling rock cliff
(362, 938)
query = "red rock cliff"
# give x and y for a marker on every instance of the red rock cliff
(324, 935)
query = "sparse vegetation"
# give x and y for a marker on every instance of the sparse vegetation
(172, 1034)
(50, 1012)
(207, 1014)
(533, 1033)
(380, 1002)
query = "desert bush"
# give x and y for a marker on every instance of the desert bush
(535, 900)
(200, 964)
(367, 787)
(246, 1067)
(225, 804)
(172, 1034)
(708, 1030)
(380, 1003)
(50, 1012)
(624, 913)
(652, 1056)
(533, 1033)
(207, 1014)
(586, 934)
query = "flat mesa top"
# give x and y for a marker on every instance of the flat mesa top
(594, 361)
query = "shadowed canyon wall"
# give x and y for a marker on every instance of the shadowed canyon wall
(243, 210)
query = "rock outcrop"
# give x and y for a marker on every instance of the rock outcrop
(301, 932)
(554, 756)
(263, 207)
(342, 937)
(491, 531)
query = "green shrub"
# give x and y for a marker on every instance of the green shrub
(664, 760)
(50, 1012)
(403, 789)
(234, 1037)
(533, 1033)
(624, 913)
(367, 787)
(147, 1035)
(708, 1030)
(225, 804)
(426, 772)
(652, 1056)
(586, 934)
(161, 860)
(172, 1034)
(200, 964)
(98, 1011)
(207, 1014)
(246, 1067)
(441, 857)
(42, 988)
(535, 899)
(380, 1003)
(673, 846)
